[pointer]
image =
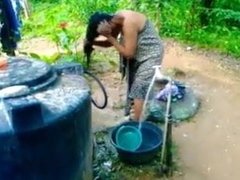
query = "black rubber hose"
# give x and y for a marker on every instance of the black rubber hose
(102, 88)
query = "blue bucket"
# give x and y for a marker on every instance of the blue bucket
(129, 138)
(152, 138)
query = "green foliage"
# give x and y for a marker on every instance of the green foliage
(226, 4)
(226, 17)
(47, 17)
(179, 19)
(85, 8)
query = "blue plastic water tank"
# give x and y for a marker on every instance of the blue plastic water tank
(45, 122)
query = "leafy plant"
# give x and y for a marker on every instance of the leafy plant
(179, 19)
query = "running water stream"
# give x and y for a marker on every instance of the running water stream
(157, 75)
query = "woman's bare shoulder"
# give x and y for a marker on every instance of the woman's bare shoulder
(133, 19)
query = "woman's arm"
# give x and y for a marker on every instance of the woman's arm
(129, 45)
(130, 33)
(103, 41)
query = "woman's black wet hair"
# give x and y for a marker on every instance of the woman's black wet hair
(93, 23)
(92, 33)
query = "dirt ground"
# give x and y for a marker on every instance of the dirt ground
(208, 144)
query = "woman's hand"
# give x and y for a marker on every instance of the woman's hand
(104, 29)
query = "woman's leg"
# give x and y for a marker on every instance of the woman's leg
(137, 108)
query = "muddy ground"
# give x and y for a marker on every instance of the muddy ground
(208, 144)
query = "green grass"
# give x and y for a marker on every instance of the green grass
(226, 42)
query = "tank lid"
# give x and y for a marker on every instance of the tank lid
(24, 71)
